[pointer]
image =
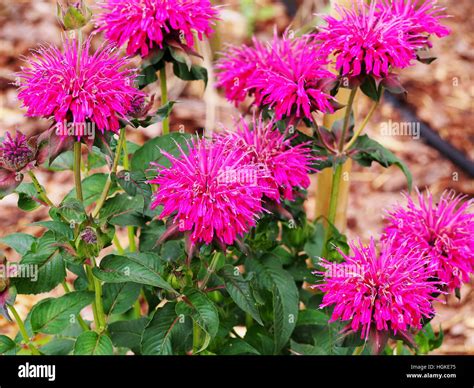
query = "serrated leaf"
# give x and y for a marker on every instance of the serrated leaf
(53, 315)
(240, 292)
(366, 151)
(157, 337)
(20, 242)
(27, 197)
(141, 268)
(128, 334)
(91, 343)
(118, 298)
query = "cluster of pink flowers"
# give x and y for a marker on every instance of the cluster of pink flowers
(443, 232)
(426, 249)
(147, 24)
(371, 39)
(387, 290)
(73, 86)
(288, 75)
(218, 189)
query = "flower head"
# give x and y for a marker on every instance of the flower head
(78, 87)
(284, 167)
(236, 66)
(367, 41)
(424, 16)
(16, 152)
(443, 232)
(145, 24)
(387, 291)
(288, 75)
(209, 192)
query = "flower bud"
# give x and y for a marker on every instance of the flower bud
(75, 16)
(16, 152)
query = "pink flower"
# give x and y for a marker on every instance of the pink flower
(424, 16)
(284, 167)
(443, 231)
(367, 41)
(210, 192)
(237, 65)
(386, 291)
(288, 76)
(146, 24)
(78, 87)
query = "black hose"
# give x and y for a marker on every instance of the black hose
(431, 137)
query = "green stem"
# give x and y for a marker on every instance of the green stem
(358, 350)
(164, 99)
(39, 189)
(399, 348)
(130, 229)
(81, 321)
(196, 337)
(98, 301)
(362, 126)
(77, 170)
(117, 244)
(347, 117)
(210, 270)
(90, 281)
(108, 184)
(24, 333)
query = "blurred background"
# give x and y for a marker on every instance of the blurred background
(439, 104)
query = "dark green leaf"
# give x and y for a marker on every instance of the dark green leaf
(20, 242)
(118, 298)
(91, 343)
(128, 334)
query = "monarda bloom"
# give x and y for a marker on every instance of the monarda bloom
(209, 192)
(148, 24)
(424, 16)
(443, 232)
(236, 66)
(288, 75)
(379, 293)
(79, 90)
(366, 41)
(285, 168)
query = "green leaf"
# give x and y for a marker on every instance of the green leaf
(368, 151)
(142, 268)
(43, 265)
(240, 292)
(60, 228)
(26, 197)
(149, 236)
(92, 187)
(71, 209)
(203, 311)
(285, 298)
(53, 315)
(118, 298)
(306, 349)
(315, 245)
(128, 334)
(6, 344)
(237, 346)
(20, 242)
(147, 76)
(159, 334)
(123, 210)
(91, 343)
(195, 73)
(371, 89)
(151, 152)
(58, 347)
(312, 317)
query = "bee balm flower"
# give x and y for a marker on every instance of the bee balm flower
(284, 167)
(209, 192)
(145, 24)
(383, 292)
(78, 87)
(443, 231)
(366, 41)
